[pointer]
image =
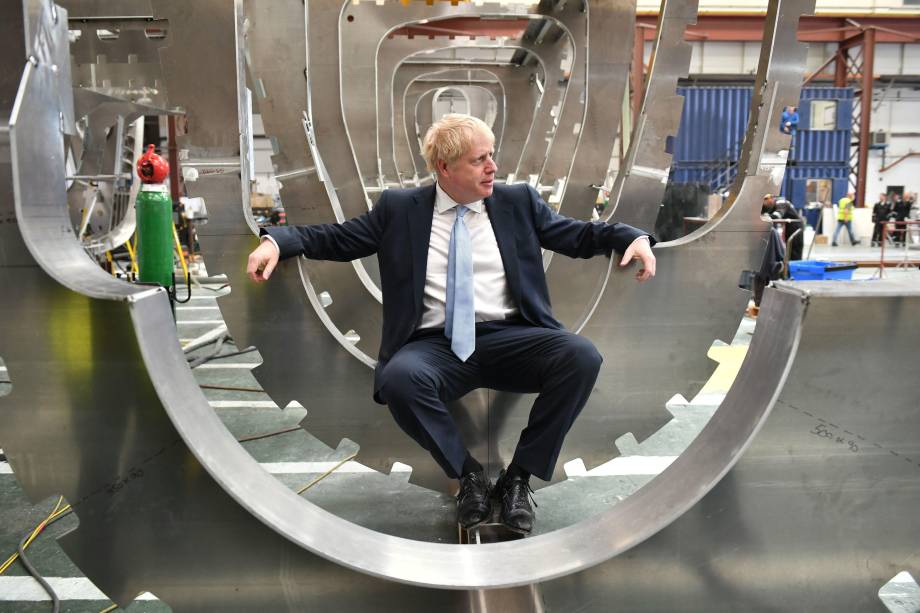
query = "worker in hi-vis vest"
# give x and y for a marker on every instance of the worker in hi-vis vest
(845, 218)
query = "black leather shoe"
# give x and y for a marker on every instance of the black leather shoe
(474, 502)
(514, 494)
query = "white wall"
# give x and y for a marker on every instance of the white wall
(830, 7)
(740, 58)
(897, 112)
(263, 169)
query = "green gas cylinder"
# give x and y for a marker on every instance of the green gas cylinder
(154, 235)
(154, 221)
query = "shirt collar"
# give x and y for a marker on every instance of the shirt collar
(444, 203)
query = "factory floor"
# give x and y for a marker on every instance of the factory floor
(298, 460)
(864, 254)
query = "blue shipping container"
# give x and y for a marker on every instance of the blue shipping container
(715, 119)
(796, 181)
(712, 125)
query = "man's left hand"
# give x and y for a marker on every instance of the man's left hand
(640, 249)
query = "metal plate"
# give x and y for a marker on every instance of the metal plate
(758, 518)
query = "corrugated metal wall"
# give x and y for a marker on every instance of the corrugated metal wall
(796, 180)
(712, 129)
(824, 146)
(713, 124)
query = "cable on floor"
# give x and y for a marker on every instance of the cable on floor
(198, 361)
(55, 599)
(197, 283)
(254, 390)
(257, 437)
(326, 474)
(203, 360)
(57, 513)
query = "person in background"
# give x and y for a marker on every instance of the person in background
(901, 210)
(771, 267)
(880, 212)
(789, 120)
(783, 209)
(845, 208)
(913, 214)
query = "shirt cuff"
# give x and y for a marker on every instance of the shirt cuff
(266, 237)
(644, 237)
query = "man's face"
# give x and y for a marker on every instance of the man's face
(470, 177)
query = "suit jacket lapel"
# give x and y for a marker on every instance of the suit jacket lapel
(420, 217)
(501, 214)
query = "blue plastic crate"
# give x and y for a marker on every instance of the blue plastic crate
(819, 270)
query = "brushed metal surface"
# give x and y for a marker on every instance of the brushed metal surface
(818, 512)
(695, 299)
(803, 520)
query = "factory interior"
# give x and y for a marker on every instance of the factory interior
(177, 437)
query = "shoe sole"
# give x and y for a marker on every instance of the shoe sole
(474, 526)
(487, 519)
(517, 530)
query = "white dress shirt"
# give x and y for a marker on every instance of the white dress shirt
(491, 298)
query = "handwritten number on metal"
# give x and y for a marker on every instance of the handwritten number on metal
(820, 430)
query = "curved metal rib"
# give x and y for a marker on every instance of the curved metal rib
(109, 122)
(363, 25)
(695, 299)
(420, 95)
(282, 96)
(305, 355)
(640, 184)
(144, 487)
(399, 59)
(611, 28)
(522, 95)
(578, 547)
(306, 525)
(836, 451)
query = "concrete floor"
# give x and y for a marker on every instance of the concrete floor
(863, 253)
(347, 490)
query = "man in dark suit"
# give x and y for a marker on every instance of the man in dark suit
(880, 212)
(466, 305)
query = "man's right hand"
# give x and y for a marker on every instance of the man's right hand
(262, 261)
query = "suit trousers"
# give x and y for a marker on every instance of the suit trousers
(510, 356)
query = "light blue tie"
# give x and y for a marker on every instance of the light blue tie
(460, 324)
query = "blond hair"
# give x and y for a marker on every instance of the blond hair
(450, 137)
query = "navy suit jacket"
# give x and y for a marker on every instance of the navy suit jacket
(398, 230)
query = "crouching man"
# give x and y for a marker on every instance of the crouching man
(466, 305)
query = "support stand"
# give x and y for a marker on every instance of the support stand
(524, 599)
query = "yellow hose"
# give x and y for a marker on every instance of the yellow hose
(108, 258)
(179, 251)
(132, 255)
